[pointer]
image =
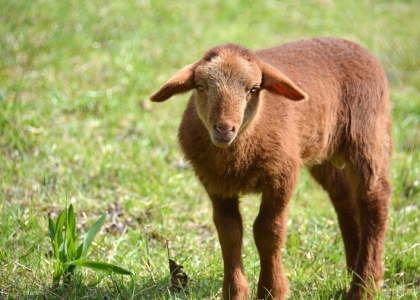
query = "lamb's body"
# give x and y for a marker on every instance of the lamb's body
(341, 133)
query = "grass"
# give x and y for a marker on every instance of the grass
(74, 128)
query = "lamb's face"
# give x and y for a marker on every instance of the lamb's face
(227, 82)
(227, 91)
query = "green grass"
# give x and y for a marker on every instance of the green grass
(74, 129)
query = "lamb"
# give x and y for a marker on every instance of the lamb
(256, 117)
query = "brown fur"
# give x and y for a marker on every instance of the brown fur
(320, 103)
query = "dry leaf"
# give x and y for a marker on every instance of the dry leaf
(179, 279)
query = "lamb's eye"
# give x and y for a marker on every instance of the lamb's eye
(254, 89)
(199, 87)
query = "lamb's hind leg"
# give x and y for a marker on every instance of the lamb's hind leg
(334, 182)
(373, 189)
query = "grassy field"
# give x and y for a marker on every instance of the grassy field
(76, 128)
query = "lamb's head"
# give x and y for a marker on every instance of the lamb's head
(228, 81)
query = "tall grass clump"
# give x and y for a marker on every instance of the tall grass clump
(69, 257)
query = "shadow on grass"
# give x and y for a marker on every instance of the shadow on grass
(198, 288)
(116, 288)
(318, 294)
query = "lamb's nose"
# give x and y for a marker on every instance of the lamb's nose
(224, 130)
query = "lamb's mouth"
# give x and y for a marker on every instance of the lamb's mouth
(222, 142)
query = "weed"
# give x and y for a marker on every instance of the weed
(68, 257)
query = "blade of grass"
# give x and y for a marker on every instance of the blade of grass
(101, 266)
(51, 230)
(71, 223)
(58, 238)
(71, 234)
(92, 232)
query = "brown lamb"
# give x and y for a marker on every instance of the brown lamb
(256, 117)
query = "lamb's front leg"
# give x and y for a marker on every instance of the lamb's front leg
(228, 221)
(269, 235)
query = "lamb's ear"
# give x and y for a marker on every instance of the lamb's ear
(275, 81)
(181, 82)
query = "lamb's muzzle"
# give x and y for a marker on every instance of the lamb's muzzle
(223, 135)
